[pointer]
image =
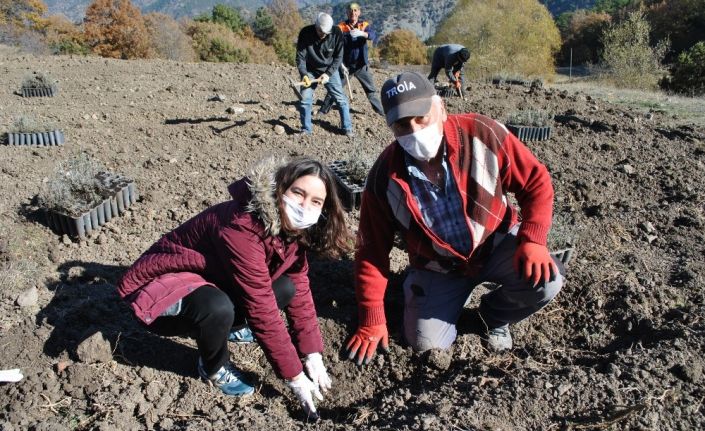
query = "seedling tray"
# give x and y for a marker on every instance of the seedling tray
(123, 194)
(52, 138)
(44, 91)
(530, 133)
(349, 191)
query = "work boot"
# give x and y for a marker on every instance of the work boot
(499, 339)
(241, 336)
(350, 133)
(227, 379)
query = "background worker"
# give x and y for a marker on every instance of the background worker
(356, 33)
(319, 54)
(452, 58)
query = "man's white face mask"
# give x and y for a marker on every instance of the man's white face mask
(423, 144)
(300, 217)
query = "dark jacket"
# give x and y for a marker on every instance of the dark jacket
(448, 57)
(235, 246)
(315, 56)
(355, 50)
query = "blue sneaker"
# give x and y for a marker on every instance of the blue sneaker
(227, 379)
(243, 335)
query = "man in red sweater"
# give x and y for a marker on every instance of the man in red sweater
(442, 184)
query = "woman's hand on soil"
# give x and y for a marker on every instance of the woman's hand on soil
(305, 390)
(363, 344)
(317, 372)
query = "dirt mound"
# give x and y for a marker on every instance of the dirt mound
(621, 347)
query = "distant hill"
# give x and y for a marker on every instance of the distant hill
(420, 16)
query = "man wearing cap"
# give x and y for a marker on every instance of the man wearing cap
(319, 53)
(450, 57)
(442, 185)
(356, 33)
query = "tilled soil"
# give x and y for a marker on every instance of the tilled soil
(620, 348)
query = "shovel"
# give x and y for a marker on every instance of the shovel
(346, 74)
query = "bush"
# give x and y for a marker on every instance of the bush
(628, 58)
(688, 72)
(263, 26)
(287, 24)
(217, 43)
(402, 47)
(116, 29)
(168, 40)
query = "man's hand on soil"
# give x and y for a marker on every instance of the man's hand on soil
(533, 263)
(363, 344)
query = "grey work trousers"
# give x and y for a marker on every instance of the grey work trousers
(368, 85)
(433, 301)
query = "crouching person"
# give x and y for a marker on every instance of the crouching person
(442, 184)
(244, 260)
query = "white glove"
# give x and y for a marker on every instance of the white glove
(324, 78)
(317, 372)
(356, 33)
(304, 389)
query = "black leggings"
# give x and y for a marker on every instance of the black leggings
(207, 314)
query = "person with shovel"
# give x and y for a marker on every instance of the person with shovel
(319, 54)
(451, 58)
(242, 261)
(442, 185)
(357, 32)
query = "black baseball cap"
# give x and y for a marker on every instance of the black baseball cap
(409, 94)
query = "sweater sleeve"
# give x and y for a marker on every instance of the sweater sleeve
(375, 239)
(530, 182)
(243, 255)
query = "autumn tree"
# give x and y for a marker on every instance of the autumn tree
(22, 13)
(687, 75)
(402, 47)
(168, 39)
(64, 37)
(116, 29)
(263, 25)
(287, 24)
(628, 57)
(681, 21)
(582, 34)
(503, 36)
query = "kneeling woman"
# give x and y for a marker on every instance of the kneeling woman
(246, 259)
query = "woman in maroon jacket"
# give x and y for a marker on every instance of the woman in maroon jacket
(246, 258)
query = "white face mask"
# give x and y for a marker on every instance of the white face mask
(300, 217)
(424, 144)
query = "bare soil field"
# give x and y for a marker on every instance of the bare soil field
(622, 347)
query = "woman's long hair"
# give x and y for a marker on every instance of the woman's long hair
(329, 236)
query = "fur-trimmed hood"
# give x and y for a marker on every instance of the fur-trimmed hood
(261, 185)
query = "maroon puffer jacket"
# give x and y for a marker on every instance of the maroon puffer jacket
(236, 247)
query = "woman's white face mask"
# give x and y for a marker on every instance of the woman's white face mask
(300, 217)
(422, 144)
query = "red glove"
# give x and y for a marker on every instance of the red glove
(533, 263)
(363, 343)
(457, 84)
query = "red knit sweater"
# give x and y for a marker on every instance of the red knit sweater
(487, 162)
